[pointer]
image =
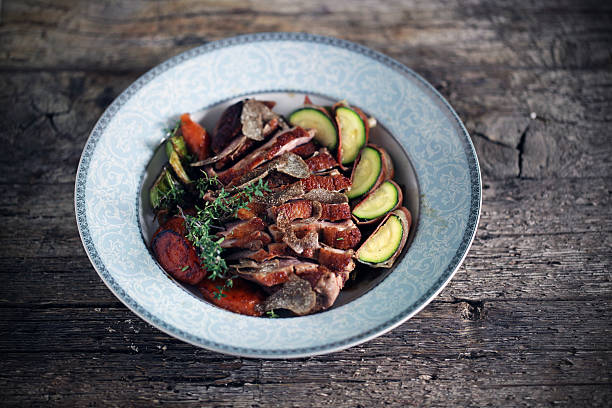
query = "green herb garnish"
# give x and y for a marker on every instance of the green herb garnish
(271, 314)
(184, 268)
(199, 226)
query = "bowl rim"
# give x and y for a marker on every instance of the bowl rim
(415, 307)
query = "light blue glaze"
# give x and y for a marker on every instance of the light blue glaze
(121, 144)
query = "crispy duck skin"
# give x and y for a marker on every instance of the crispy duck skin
(276, 146)
(321, 161)
(300, 209)
(243, 297)
(336, 212)
(292, 210)
(332, 182)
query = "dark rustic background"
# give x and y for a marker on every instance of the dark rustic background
(526, 320)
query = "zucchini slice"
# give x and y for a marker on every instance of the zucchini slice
(312, 118)
(387, 197)
(352, 134)
(383, 247)
(372, 167)
(367, 173)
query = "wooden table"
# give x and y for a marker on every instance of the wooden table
(525, 322)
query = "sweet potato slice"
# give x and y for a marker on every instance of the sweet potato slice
(177, 256)
(242, 297)
(196, 137)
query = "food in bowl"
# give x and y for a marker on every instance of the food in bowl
(268, 215)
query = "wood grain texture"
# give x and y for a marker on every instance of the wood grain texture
(527, 319)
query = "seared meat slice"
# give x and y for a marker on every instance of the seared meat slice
(305, 150)
(227, 128)
(336, 259)
(333, 182)
(304, 209)
(288, 163)
(328, 288)
(253, 241)
(245, 234)
(292, 210)
(238, 137)
(276, 146)
(272, 272)
(336, 212)
(341, 235)
(234, 151)
(313, 290)
(241, 229)
(321, 161)
(326, 196)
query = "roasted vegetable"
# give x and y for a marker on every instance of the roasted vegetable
(177, 257)
(227, 128)
(177, 166)
(312, 118)
(372, 167)
(383, 247)
(196, 138)
(352, 134)
(166, 192)
(385, 198)
(177, 144)
(242, 297)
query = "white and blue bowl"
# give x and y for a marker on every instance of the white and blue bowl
(433, 155)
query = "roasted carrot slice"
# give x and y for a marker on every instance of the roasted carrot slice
(177, 256)
(176, 224)
(242, 297)
(196, 137)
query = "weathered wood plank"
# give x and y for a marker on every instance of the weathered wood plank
(136, 35)
(526, 320)
(510, 347)
(443, 329)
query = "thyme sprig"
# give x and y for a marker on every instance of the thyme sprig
(223, 206)
(174, 196)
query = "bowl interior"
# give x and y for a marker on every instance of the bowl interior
(366, 277)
